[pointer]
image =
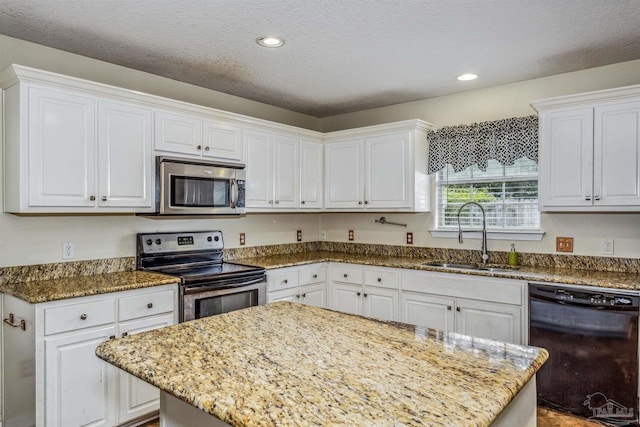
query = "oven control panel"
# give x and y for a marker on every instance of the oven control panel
(158, 243)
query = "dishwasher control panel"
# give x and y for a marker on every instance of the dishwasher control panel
(580, 296)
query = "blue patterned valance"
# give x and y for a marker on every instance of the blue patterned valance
(503, 140)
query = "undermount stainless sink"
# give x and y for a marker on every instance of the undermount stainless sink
(468, 266)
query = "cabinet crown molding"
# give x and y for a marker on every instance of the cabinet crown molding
(588, 98)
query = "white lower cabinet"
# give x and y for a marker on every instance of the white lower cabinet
(305, 284)
(369, 291)
(478, 306)
(52, 374)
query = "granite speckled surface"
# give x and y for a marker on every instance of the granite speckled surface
(37, 291)
(607, 279)
(293, 364)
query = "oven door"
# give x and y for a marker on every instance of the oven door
(204, 301)
(200, 189)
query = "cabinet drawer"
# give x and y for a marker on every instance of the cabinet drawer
(313, 275)
(282, 280)
(347, 275)
(78, 316)
(382, 279)
(145, 305)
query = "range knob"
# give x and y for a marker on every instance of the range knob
(149, 242)
(158, 241)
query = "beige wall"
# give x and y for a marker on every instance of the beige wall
(495, 103)
(32, 240)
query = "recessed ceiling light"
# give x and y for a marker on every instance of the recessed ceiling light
(270, 41)
(467, 77)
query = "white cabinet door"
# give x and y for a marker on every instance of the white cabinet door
(285, 172)
(61, 148)
(311, 175)
(428, 311)
(500, 322)
(346, 298)
(315, 294)
(222, 140)
(344, 175)
(617, 155)
(380, 303)
(259, 191)
(79, 387)
(137, 397)
(125, 171)
(566, 164)
(177, 133)
(387, 173)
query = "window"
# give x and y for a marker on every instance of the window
(508, 194)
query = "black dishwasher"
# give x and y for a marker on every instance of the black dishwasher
(592, 338)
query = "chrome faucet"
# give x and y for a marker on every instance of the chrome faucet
(485, 255)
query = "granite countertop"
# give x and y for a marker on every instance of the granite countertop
(606, 279)
(293, 364)
(38, 291)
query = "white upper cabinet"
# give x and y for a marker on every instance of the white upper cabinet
(590, 151)
(281, 170)
(188, 134)
(311, 183)
(69, 152)
(378, 168)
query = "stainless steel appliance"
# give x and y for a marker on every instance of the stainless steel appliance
(208, 284)
(199, 187)
(592, 338)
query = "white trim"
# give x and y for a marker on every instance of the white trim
(588, 98)
(493, 235)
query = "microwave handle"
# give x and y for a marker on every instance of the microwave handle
(234, 194)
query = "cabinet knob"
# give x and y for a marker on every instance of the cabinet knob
(315, 276)
(379, 279)
(206, 148)
(365, 295)
(304, 295)
(277, 202)
(124, 334)
(112, 337)
(366, 202)
(359, 202)
(83, 316)
(285, 281)
(150, 305)
(358, 294)
(596, 197)
(103, 198)
(92, 198)
(302, 202)
(458, 309)
(270, 202)
(587, 197)
(199, 147)
(298, 296)
(449, 307)
(346, 275)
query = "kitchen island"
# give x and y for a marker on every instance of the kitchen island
(292, 364)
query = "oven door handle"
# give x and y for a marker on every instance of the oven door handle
(198, 289)
(234, 194)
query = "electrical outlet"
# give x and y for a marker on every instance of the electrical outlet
(564, 244)
(351, 235)
(299, 235)
(409, 238)
(607, 246)
(67, 250)
(323, 234)
(242, 239)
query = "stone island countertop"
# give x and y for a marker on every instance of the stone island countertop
(293, 364)
(38, 291)
(606, 279)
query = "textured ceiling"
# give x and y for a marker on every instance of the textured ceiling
(340, 55)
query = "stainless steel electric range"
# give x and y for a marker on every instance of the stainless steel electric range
(208, 284)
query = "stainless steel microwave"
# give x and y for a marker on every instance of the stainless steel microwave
(199, 187)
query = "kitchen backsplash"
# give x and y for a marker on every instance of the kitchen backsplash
(27, 273)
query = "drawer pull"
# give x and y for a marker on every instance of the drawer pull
(315, 276)
(285, 281)
(83, 316)
(125, 334)
(346, 275)
(11, 322)
(304, 295)
(379, 279)
(449, 307)
(358, 294)
(298, 296)
(366, 295)
(150, 305)
(458, 309)
(112, 337)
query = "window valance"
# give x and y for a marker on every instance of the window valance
(465, 145)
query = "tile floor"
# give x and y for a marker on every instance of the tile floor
(546, 418)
